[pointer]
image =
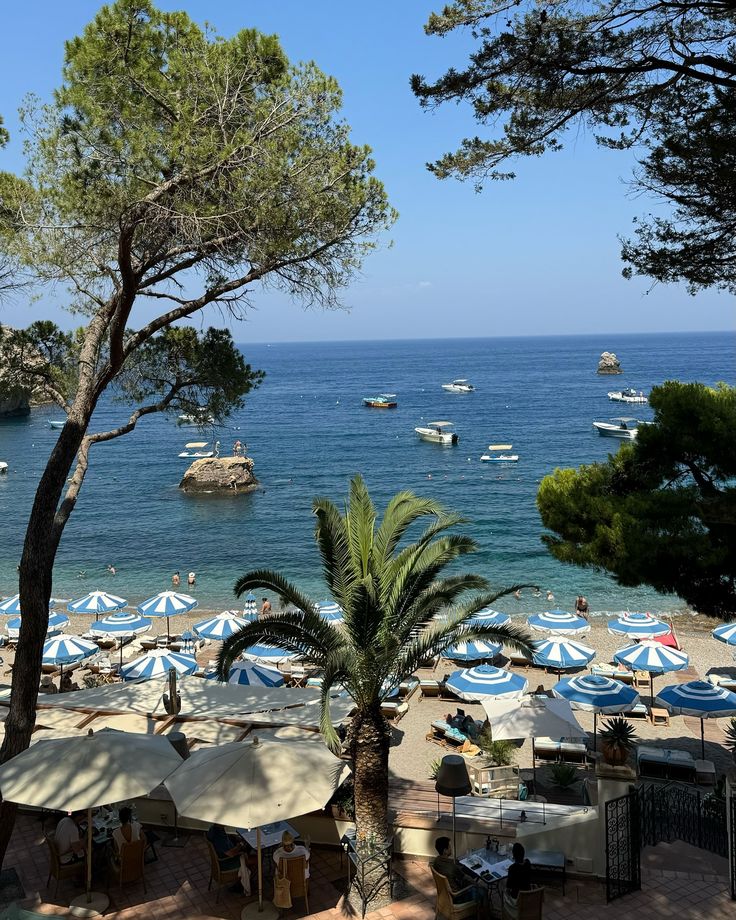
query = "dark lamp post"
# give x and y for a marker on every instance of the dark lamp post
(453, 780)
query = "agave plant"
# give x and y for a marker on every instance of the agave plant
(390, 593)
(731, 737)
(618, 737)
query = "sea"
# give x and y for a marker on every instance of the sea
(308, 433)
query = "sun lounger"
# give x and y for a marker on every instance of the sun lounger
(546, 749)
(626, 677)
(394, 710)
(705, 773)
(443, 733)
(573, 752)
(727, 681)
(658, 763)
(520, 660)
(640, 711)
(433, 688)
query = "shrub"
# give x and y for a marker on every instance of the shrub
(499, 753)
(563, 774)
(434, 768)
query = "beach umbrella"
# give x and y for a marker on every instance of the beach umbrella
(220, 627)
(251, 783)
(248, 673)
(652, 657)
(637, 626)
(121, 625)
(167, 604)
(61, 650)
(596, 694)
(57, 621)
(562, 654)
(11, 606)
(330, 611)
(97, 602)
(485, 681)
(250, 605)
(84, 772)
(474, 650)
(559, 621)
(488, 617)
(725, 633)
(700, 699)
(268, 654)
(158, 663)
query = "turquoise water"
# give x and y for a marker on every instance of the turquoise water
(308, 433)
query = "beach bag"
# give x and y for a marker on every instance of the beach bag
(281, 891)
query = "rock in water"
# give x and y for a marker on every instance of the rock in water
(224, 475)
(609, 364)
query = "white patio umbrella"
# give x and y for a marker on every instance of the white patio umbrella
(84, 772)
(251, 783)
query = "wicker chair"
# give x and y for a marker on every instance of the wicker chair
(58, 869)
(528, 906)
(219, 875)
(128, 865)
(295, 869)
(446, 907)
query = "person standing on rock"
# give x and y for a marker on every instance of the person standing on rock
(237, 449)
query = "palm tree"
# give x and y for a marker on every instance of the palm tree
(390, 595)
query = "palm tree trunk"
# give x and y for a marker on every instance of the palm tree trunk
(370, 739)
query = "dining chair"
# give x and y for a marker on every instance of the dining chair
(218, 875)
(58, 869)
(129, 864)
(446, 906)
(295, 868)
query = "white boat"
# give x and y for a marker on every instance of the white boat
(200, 418)
(628, 396)
(3, 466)
(197, 450)
(623, 428)
(438, 433)
(56, 424)
(460, 385)
(497, 457)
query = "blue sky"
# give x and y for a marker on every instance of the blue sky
(538, 255)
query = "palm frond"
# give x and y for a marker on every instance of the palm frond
(273, 581)
(331, 534)
(420, 571)
(441, 594)
(360, 519)
(403, 510)
(336, 669)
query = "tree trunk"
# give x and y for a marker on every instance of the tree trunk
(36, 570)
(370, 739)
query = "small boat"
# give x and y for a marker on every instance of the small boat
(200, 418)
(438, 433)
(56, 423)
(628, 396)
(196, 450)
(382, 401)
(3, 467)
(460, 385)
(497, 457)
(623, 428)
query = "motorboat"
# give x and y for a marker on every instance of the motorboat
(460, 385)
(628, 396)
(3, 467)
(197, 450)
(438, 433)
(200, 418)
(382, 401)
(623, 428)
(500, 454)
(56, 424)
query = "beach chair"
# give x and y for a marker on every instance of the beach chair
(58, 869)
(528, 906)
(295, 869)
(445, 906)
(129, 864)
(218, 875)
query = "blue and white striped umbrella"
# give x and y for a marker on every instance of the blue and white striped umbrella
(268, 654)
(700, 699)
(489, 617)
(485, 681)
(97, 602)
(330, 611)
(250, 605)
(158, 663)
(121, 625)
(559, 621)
(637, 626)
(61, 650)
(725, 633)
(167, 604)
(651, 656)
(562, 654)
(596, 694)
(248, 673)
(475, 650)
(57, 621)
(11, 606)
(221, 627)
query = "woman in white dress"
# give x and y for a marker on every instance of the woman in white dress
(129, 831)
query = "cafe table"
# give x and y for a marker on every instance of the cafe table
(270, 838)
(488, 866)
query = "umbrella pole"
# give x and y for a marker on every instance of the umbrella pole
(91, 903)
(702, 739)
(534, 765)
(595, 731)
(651, 689)
(89, 855)
(260, 869)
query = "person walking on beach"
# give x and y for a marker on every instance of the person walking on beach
(265, 607)
(176, 579)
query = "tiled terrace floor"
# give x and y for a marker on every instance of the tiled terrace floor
(177, 888)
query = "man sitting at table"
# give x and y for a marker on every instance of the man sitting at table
(231, 854)
(289, 850)
(68, 839)
(444, 864)
(519, 879)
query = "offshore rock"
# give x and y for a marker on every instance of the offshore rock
(222, 475)
(609, 364)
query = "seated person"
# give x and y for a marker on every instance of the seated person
(68, 840)
(470, 728)
(47, 685)
(129, 830)
(289, 849)
(444, 864)
(67, 684)
(518, 879)
(231, 854)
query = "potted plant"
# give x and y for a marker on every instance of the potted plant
(731, 738)
(342, 803)
(617, 740)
